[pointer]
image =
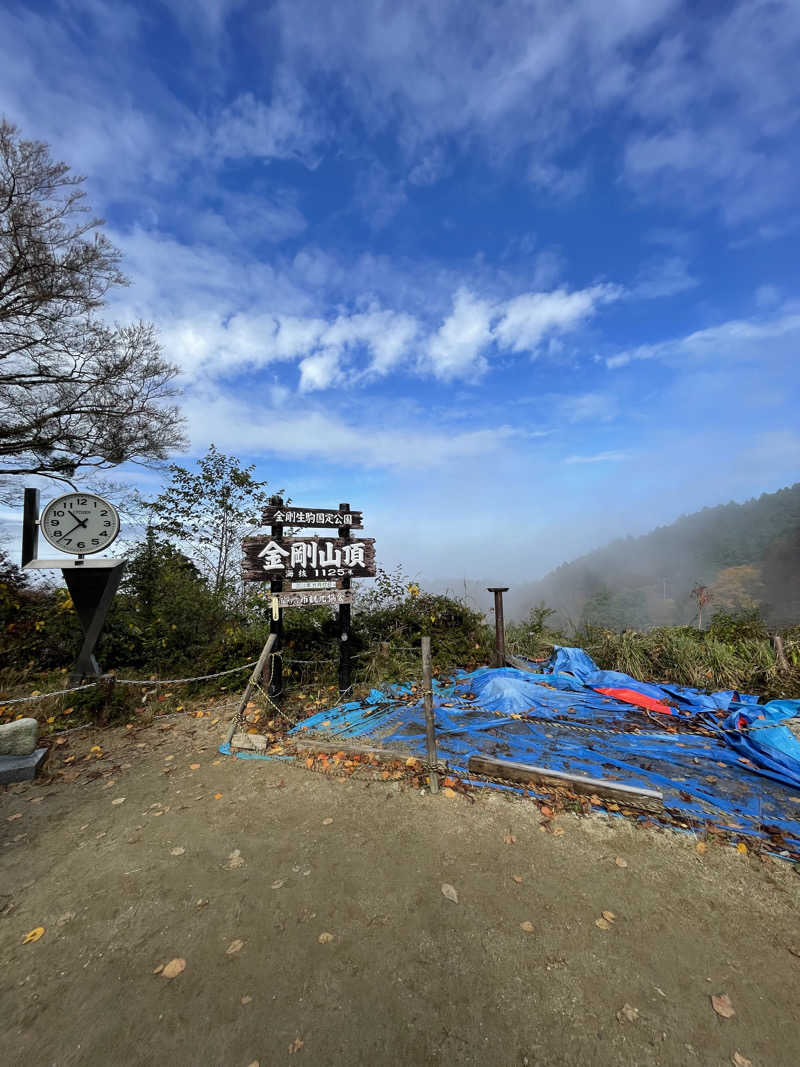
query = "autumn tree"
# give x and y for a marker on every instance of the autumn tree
(208, 511)
(76, 393)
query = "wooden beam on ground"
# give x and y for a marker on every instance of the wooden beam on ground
(310, 745)
(629, 796)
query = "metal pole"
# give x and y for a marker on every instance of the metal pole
(499, 625)
(30, 526)
(430, 728)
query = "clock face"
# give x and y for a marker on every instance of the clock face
(80, 523)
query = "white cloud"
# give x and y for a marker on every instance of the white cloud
(320, 371)
(739, 339)
(456, 350)
(311, 433)
(528, 318)
(663, 278)
(599, 457)
(288, 127)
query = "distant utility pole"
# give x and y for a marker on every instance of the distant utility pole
(664, 580)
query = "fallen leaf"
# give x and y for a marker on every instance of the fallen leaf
(234, 947)
(721, 1003)
(118, 800)
(253, 1064)
(509, 839)
(738, 1060)
(174, 968)
(245, 999)
(546, 811)
(277, 885)
(627, 1014)
(296, 1045)
(235, 860)
(516, 878)
(327, 822)
(701, 848)
(16, 815)
(325, 938)
(559, 830)
(218, 796)
(449, 793)
(33, 935)
(527, 927)
(620, 862)
(603, 924)
(194, 766)
(742, 847)
(609, 916)
(159, 969)
(216, 762)
(449, 891)
(179, 851)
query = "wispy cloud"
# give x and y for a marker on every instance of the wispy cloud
(599, 457)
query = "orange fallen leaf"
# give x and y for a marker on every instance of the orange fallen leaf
(701, 848)
(310, 762)
(738, 1060)
(546, 811)
(721, 1003)
(742, 847)
(449, 793)
(218, 796)
(620, 862)
(174, 968)
(33, 935)
(159, 969)
(516, 878)
(325, 938)
(509, 839)
(449, 782)
(194, 766)
(609, 916)
(298, 1042)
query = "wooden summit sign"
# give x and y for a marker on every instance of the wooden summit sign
(293, 516)
(314, 598)
(268, 559)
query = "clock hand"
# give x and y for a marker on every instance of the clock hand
(81, 522)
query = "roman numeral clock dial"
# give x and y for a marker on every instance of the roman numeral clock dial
(79, 523)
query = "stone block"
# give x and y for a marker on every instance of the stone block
(19, 738)
(21, 768)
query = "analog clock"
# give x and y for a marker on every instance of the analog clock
(80, 523)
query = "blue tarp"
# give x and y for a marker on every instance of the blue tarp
(719, 758)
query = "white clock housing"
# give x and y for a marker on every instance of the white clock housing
(79, 523)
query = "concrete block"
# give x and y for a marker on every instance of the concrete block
(21, 768)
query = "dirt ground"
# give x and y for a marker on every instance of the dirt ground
(188, 862)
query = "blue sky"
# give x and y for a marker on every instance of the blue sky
(513, 278)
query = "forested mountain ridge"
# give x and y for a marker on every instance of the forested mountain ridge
(747, 555)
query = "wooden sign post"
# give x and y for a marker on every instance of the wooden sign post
(344, 623)
(499, 625)
(310, 571)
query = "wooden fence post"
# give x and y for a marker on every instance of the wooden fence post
(430, 726)
(499, 625)
(345, 642)
(276, 625)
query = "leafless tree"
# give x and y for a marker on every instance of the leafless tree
(76, 394)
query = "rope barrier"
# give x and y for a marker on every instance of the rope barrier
(44, 696)
(180, 681)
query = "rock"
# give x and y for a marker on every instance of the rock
(19, 738)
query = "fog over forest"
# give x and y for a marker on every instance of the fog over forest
(746, 555)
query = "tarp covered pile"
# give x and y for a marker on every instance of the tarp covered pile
(720, 759)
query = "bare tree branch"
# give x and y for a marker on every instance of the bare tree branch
(75, 393)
